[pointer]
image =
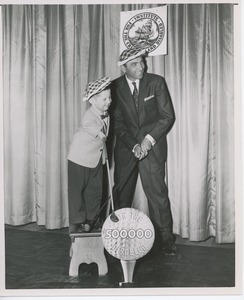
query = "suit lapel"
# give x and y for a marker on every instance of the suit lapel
(128, 97)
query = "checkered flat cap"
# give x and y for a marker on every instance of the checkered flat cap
(130, 54)
(95, 87)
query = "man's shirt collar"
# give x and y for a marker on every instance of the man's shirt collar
(137, 81)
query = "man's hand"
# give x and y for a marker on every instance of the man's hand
(146, 145)
(137, 151)
(141, 151)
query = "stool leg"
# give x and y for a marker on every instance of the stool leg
(70, 250)
(73, 268)
(102, 266)
(99, 258)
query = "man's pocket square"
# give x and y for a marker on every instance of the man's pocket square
(148, 98)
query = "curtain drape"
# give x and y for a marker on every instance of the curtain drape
(199, 72)
(50, 52)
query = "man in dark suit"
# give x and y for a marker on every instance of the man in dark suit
(142, 115)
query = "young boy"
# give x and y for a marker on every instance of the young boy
(87, 155)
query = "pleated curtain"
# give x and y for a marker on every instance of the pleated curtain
(50, 52)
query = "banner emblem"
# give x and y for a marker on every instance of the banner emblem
(144, 32)
(145, 29)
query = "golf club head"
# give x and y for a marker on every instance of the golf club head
(113, 217)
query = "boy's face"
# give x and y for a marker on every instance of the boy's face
(102, 100)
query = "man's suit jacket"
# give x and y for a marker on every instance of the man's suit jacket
(87, 147)
(155, 116)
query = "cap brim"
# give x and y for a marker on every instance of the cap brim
(140, 53)
(100, 89)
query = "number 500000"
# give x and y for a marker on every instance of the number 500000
(125, 234)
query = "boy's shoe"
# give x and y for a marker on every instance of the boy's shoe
(95, 225)
(81, 228)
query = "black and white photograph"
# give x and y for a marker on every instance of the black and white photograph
(121, 148)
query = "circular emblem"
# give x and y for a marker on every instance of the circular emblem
(131, 237)
(144, 30)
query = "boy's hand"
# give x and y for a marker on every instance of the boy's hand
(102, 136)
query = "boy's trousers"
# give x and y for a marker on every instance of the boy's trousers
(84, 191)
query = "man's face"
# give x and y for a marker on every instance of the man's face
(102, 100)
(134, 68)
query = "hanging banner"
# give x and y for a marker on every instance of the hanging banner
(146, 29)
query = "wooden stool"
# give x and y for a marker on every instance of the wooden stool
(87, 248)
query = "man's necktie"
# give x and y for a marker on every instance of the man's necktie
(135, 95)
